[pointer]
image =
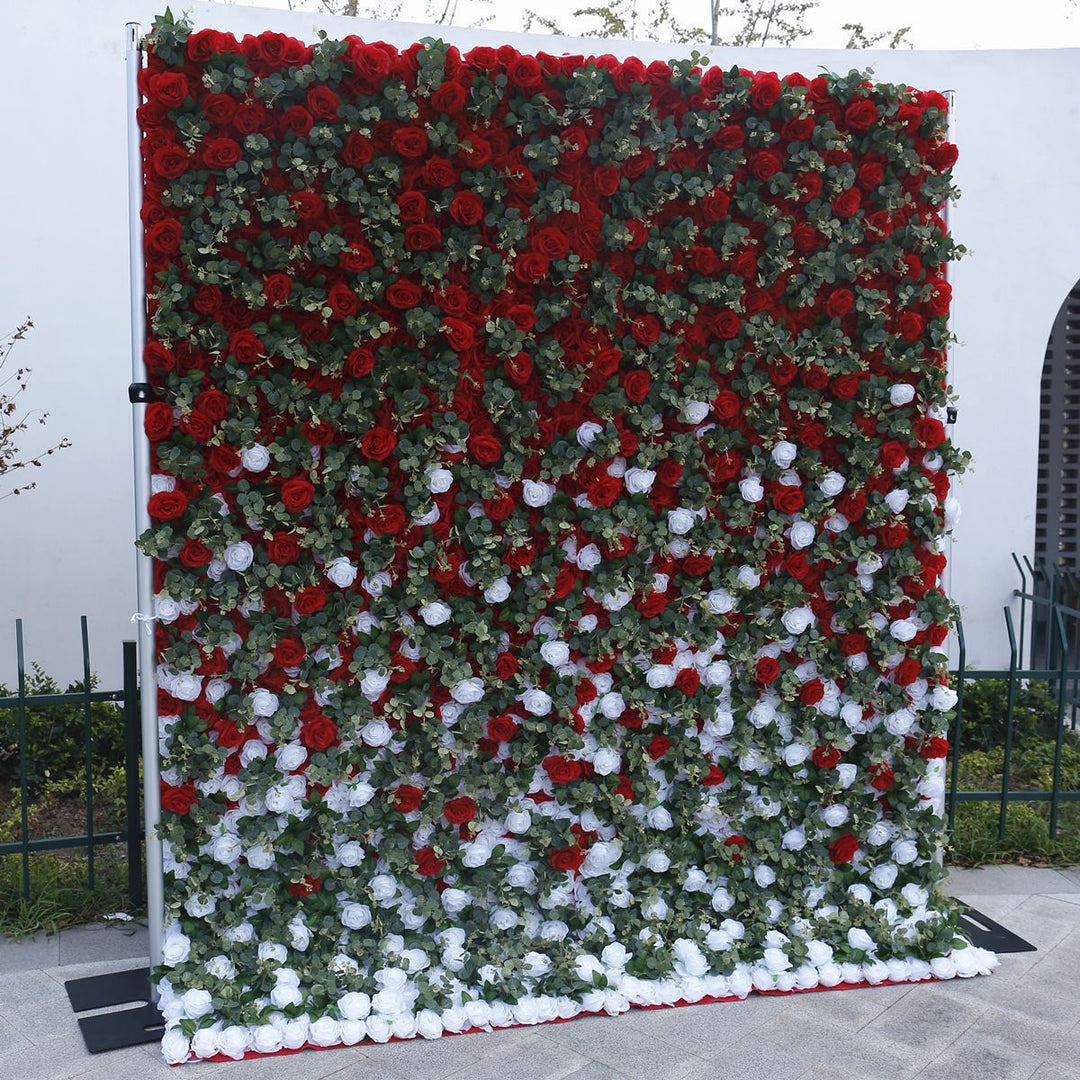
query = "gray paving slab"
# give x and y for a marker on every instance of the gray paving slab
(1007, 878)
(85, 944)
(39, 951)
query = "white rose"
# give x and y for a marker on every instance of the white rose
(588, 558)
(325, 1031)
(764, 875)
(658, 861)
(639, 480)
(197, 1003)
(901, 394)
(798, 620)
(883, 876)
(175, 1047)
(897, 499)
(903, 629)
(341, 572)
(186, 686)
(832, 483)
(695, 411)
(794, 839)
(266, 1039)
(454, 901)
(835, 814)
(606, 761)
(518, 821)
(239, 556)
(435, 613)
(467, 691)
(263, 702)
(497, 591)
(521, 876)
(175, 949)
(429, 1024)
(290, 756)
(537, 702)
(536, 493)
(858, 938)
(846, 774)
(376, 733)
(794, 754)
(720, 602)
(255, 458)
(905, 851)
(900, 722)
(355, 917)
(555, 653)
(587, 432)
(439, 480)
(681, 521)
(802, 535)
(615, 601)
(661, 675)
(943, 698)
(751, 490)
(784, 453)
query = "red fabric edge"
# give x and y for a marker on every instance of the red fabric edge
(570, 1019)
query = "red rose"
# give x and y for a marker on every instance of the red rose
(726, 325)
(907, 671)
(911, 326)
(894, 535)
(167, 505)
(180, 799)
(765, 164)
(167, 88)
(839, 303)
(289, 652)
(788, 500)
(636, 385)
(407, 798)
(853, 644)
(306, 887)
(170, 162)
(221, 153)
(486, 449)
(929, 431)
(658, 746)
(323, 102)
(934, 747)
(309, 600)
(567, 858)
(826, 757)
(359, 363)
(645, 330)
(276, 289)
(861, 114)
(297, 493)
(449, 98)
(358, 151)
(688, 681)
(765, 91)
(378, 443)
(460, 811)
(195, 554)
(502, 728)
(428, 864)
(319, 733)
(163, 238)
(893, 454)
(811, 691)
(847, 202)
(342, 301)
(715, 776)
(467, 208)
(883, 777)
(403, 295)
(506, 666)
(422, 237)
(604, 491)
(157, 421)
(562, 770)
(282, 550)
(410, 141)
(767, 670)
(245, 347)
(842, 849)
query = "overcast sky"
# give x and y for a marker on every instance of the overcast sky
(935, 24)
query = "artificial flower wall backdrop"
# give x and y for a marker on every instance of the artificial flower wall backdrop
(549, 493)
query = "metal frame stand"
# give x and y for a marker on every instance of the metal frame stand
(143, 1023)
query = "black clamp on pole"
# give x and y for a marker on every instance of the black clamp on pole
(950, 414)
(140, 393)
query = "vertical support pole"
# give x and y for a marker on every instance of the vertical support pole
(155, 888)
(132, 813)
(1055, 791)
(88, 747)
(24, 797)
(1010, 717)
(961, 668)
(1023, 603)
(950, 365)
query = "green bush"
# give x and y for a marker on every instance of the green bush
(55, 735)
(986, 707)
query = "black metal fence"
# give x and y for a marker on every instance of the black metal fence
(1048, 635)
(21, 706)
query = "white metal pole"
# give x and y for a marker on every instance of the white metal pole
(950, 128)
(155, 885)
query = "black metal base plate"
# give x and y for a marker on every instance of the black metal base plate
(140, 1023)
(987, 934)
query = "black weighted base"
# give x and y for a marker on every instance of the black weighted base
(987, 934)
(139, 1023)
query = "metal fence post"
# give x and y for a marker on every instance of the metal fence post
(1055, 791)
(958, 729)
(133, 810)
(88, 746)
(1009, 721)
(24, 835)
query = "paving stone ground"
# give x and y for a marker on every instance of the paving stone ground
(1021, 1023)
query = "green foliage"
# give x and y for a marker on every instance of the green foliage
(976, 837)
(55, 735)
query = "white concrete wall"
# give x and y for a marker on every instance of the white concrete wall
(66, 549)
